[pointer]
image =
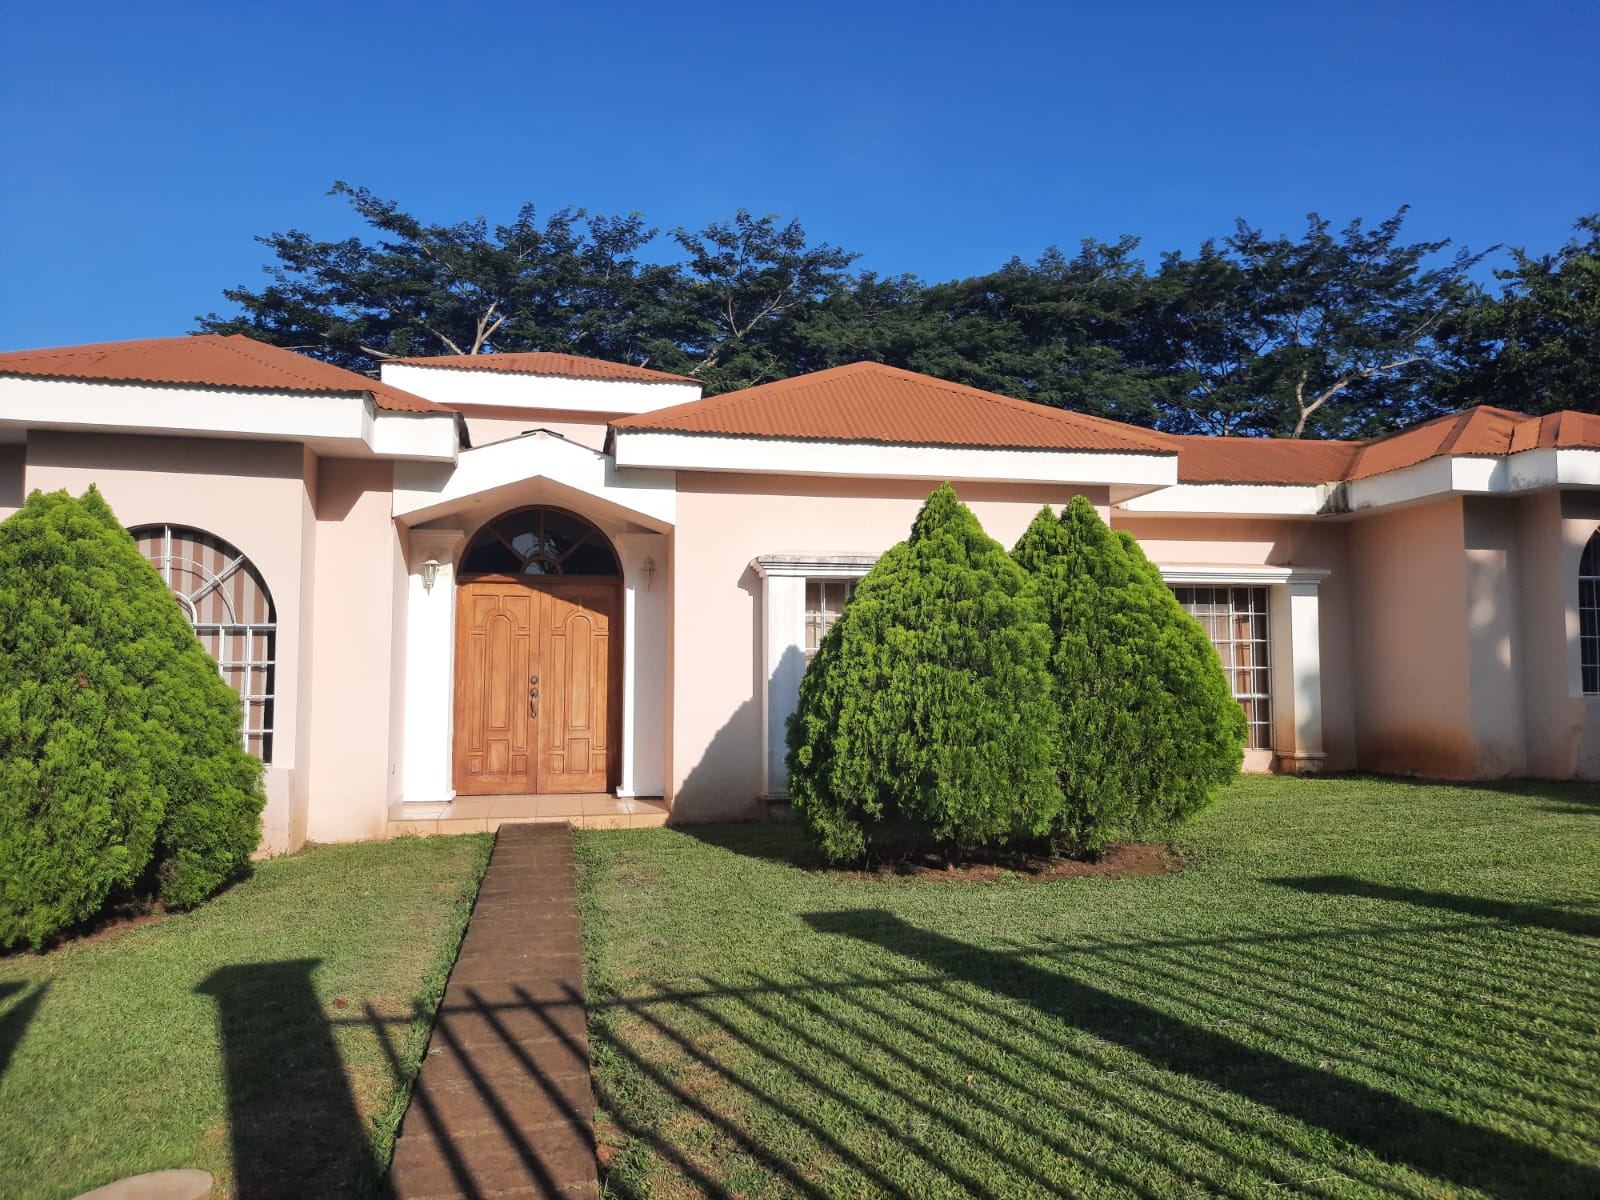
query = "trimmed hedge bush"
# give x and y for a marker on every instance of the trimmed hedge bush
(121, 761)
(1148, 731)
(927, 714)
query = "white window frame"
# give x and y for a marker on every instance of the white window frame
(1260, 651)
(1295, 654)
(783, 641)
(254, 642)
(1589, 643)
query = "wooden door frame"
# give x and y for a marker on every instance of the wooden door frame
(615, 649)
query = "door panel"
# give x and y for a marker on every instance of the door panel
(515, 735)
(574, 690)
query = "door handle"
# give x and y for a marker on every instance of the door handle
(533, 695)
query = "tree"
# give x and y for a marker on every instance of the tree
(575, 283)
(926, 713)
(1147, 731)
(424, 289)
(1535, 348)
(121, 763)
(747, 278)
(1330, 335)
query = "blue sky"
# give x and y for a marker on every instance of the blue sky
(144, 145)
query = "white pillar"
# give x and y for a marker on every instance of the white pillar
(783, 641)
(1297, 672)
(430, 666)
(644, 663)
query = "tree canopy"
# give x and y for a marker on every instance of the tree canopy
(1331, 333)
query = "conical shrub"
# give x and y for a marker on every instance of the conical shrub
(1147, 729)
(120, 751)
(926, 716)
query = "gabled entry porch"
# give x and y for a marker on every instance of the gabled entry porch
(535, 635)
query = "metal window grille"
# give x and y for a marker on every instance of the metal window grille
(1236, 621)
(825, 599)
(228, 603)
(1589, 615)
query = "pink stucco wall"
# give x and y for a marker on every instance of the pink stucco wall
(1414, 689)
(1563, 725)
(726, 521)
(482, 430)
(355, 650)
(247, 493)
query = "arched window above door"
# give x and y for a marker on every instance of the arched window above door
(540, 541)
(228, 603)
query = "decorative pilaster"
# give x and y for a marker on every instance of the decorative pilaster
(430, 665)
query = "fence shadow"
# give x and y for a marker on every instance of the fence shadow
(293, 1122)
(1384, 1124)
(1537, 916)
(15, 1020)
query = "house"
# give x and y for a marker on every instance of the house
(542, 575)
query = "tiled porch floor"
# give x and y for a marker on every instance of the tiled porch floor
(480, 814)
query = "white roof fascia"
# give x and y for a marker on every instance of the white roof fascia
(1477, 475)
(1232, 500)
(522, 389)
(665, 450)
(332, 423)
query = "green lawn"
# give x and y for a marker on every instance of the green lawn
(264, 1037)
(1355, 988)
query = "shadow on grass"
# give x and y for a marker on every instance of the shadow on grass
(1384, 1124)
(293, 1122)
(15, 1020)
(782, 842)
(1536, 916)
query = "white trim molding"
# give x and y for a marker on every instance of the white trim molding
(425, 492)
(1129, 474)
(783, 640)
(1296, 631)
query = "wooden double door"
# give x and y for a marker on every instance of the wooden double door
(536, 707)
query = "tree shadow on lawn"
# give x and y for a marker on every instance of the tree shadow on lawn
(1388, 1126)
(1534, 916)
(15, 1020)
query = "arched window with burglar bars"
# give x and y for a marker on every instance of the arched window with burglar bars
(227, 602)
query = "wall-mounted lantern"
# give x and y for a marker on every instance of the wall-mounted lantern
(430, 574)
(649, 566)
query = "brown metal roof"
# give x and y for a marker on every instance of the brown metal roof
(546, 362)
(1481, 431)
(869, 402)
(1473, 431)
(211, 360)
(1262, 460)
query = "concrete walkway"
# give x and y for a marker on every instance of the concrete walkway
(503, 1106)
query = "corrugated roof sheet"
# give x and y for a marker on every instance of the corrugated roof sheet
(869, 402)
(1473, 431)
(547, 362)
(1484, 431)
(1262, 460)
(210, 360)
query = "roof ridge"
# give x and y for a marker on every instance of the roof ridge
(230, 342)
